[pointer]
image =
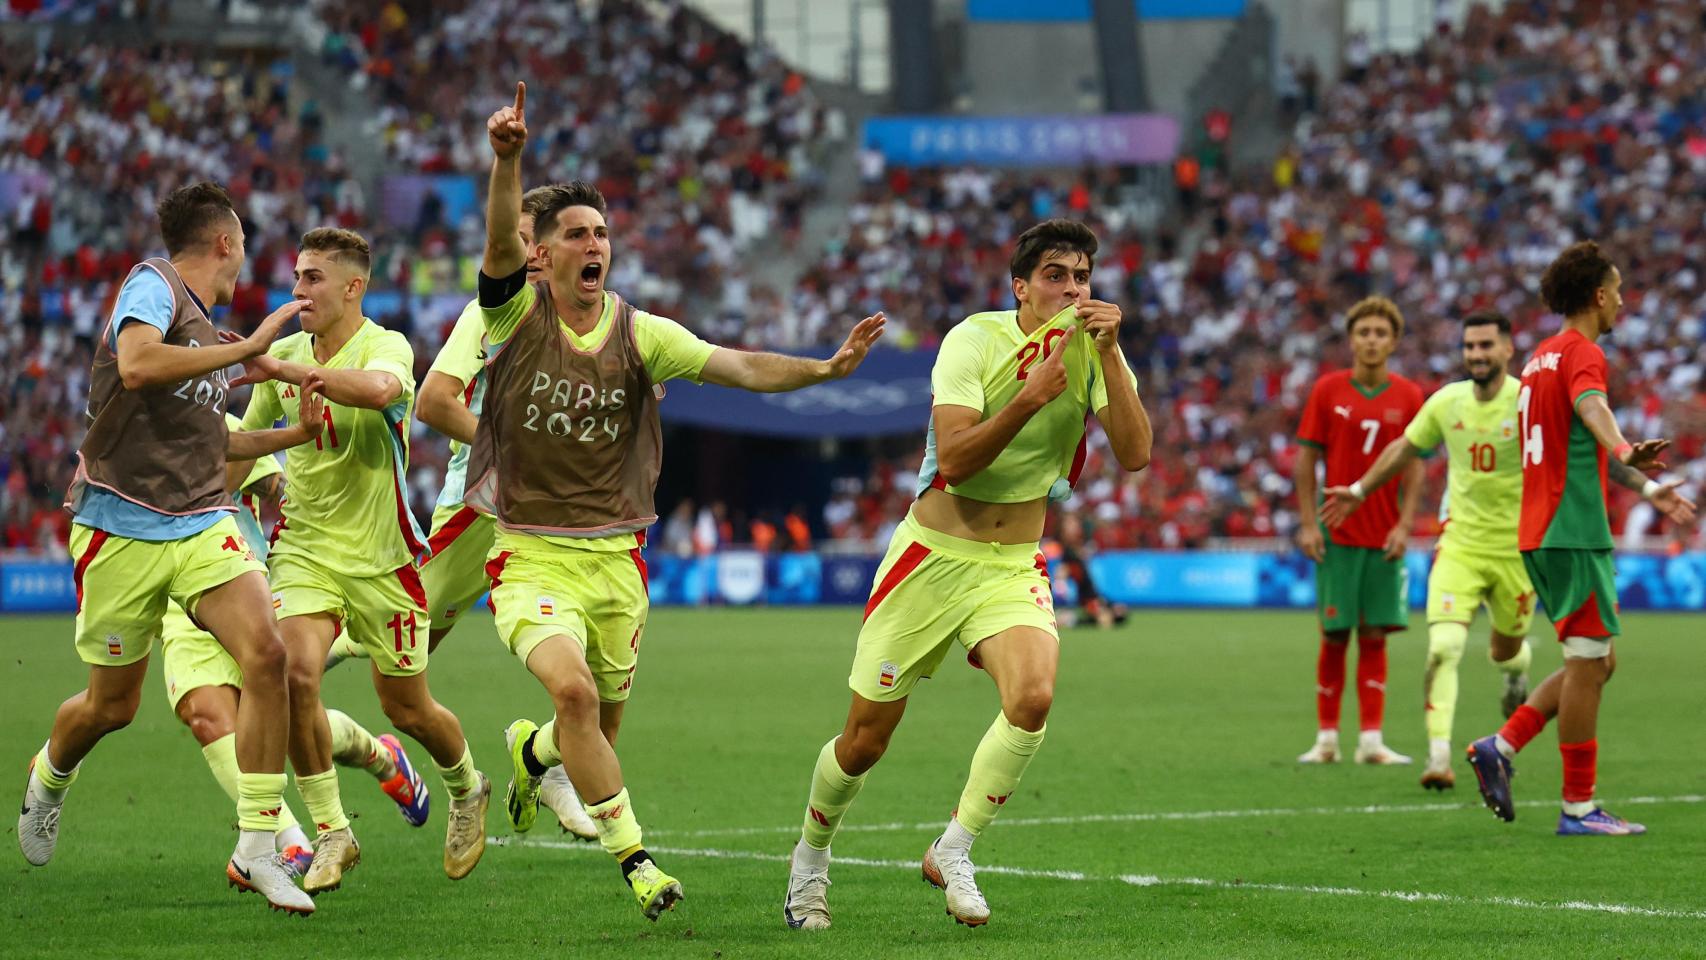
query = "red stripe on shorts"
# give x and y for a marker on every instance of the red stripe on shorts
(640, 563)
(495, 573)
(411, 579)
(908, 562)
(460, 521)
(96, 542)
(1042, 565)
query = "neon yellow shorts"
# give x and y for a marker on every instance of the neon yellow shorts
(1460, 582)
(932, 590)
(193, 658)
(597, 598)
(386, 614)
(455, 574)
(123, 585)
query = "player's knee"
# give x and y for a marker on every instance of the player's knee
(860, 749)
(206, 727)
(115, 713)
(575, 697)
(302, 676)
(1028, 707)
(263, 661)
(410, 718)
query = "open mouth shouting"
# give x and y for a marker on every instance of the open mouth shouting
(591, 275)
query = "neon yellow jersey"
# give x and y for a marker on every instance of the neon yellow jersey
(983, 364)
(1483, 496)
(344, 501)
(669, 350)
(248, 518)
(463, 356)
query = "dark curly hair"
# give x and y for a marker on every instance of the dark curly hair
(1569, 283)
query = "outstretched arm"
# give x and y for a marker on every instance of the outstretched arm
(1341, 502)
(1661, 493)
(778, 373)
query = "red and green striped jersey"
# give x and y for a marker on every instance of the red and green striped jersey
(1351, 424)
(1563, 466)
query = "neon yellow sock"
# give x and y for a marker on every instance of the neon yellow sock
(996, 768)
(460, 778)
(1517, 664)
(260, 800)
(221, 757)
(50, 777)
(618, 830)
(1445, 652)
(320, 792)
(354, 746)
(545, 745)
(832, 792)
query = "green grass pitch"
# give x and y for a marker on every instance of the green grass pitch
(1164, 817)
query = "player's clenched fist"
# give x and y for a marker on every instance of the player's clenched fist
(1047, 380)
(1101, 320)
(507, 129)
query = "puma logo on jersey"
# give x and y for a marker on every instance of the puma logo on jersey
(1344, 411)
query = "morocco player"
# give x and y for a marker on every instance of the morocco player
(153, 525)
(566, 456)
(203, 685)
(1360, 579)
(343, 556)
(1565, 536)
(1012, 391)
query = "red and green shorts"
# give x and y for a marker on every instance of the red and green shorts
(1358, 587)
(1578, 589)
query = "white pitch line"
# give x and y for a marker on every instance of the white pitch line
(1151, 880)
(1162, 816)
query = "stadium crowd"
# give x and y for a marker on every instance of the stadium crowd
(1443, 178)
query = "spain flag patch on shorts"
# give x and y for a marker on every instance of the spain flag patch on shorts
(115, 646)
(886, 677)
(278, 601)
(547, 607)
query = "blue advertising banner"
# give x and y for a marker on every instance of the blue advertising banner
(1135, 578)
(404, 197)
(889, 393)
(1052, 141)
(37, 586)
(1031, 11)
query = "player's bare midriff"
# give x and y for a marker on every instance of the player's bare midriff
(968, 519)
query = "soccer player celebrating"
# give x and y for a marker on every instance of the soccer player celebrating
(566, 456)
(343, 554)
(153, 524)
(454, 573)
(1360, 580)
(1565, 535)
(1477, 561)
(1013, 389)
(203, 685)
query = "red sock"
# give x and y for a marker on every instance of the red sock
(1581, 763)
(1371, 679)
(1329, 684)
(1524, 725)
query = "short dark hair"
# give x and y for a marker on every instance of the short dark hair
(554, 199)
(188, 214)
(1569, 283)
(1375, 307)
(1048, 238)
(344, 246)
(1481, 318)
